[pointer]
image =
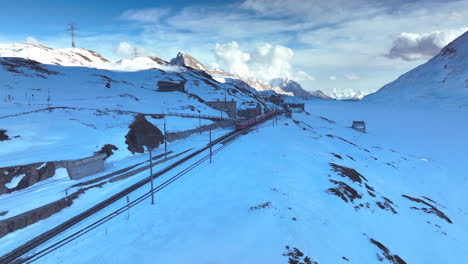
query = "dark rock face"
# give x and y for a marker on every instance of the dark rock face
(107, 149)
(3, 135)
(143, 133)
(33, 173)
(183, 59)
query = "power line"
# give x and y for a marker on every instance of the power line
(135, 52)
(72, 30)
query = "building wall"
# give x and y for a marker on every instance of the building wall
(164, 86)
(230, 107)
(81, 168)
(179, 135)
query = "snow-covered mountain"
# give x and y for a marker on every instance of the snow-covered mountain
(277, 85)
(295, 88)
(306, 189)
(183, 59)
(443, 79)
(95, 97)
(46, 55)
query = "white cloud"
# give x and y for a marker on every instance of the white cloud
(32, 40)
(147, 15)
(352, 76)
(265, 62)
(232, 58)
(348, 94)
(303, 76)
(270, 61)
(332, 78)
(127, 50)
(413, 46)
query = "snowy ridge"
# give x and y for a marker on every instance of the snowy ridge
(184, 59)
(63, 57)
(291, 86)
(63, 103)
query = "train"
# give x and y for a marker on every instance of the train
(256, 120)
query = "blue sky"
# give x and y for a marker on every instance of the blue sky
(338, 46)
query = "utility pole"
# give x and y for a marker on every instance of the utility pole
(151, 172)
(211, 147)
(135, 52)
(48, 100)
(165, 139)
(72, 30)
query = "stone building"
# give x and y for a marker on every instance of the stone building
(230, 107)
(250, 112)
(359, 126)
(164, 86)
(294, 106)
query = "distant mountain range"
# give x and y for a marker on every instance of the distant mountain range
(279, 86)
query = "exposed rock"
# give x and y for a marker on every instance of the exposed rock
(107, 149)
(3, 135)
(346, 172)
(394, 259)
(431, 209)
(183, 59)
(33, 173)
(143, 133)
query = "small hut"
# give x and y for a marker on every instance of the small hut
(359, 126)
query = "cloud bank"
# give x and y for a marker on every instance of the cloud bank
(413, 46)
(127, 50)
(265, 62)
(147, 15)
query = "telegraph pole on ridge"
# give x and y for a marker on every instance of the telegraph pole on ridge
(135, 52)
(72, 30)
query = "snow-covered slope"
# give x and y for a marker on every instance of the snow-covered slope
(295, 88)
(64, 57)
(44, 106)
(441, 80)
(307, 190)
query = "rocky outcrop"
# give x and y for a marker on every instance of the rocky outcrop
(107, 149)
(29, 175)
(3, 135)
(143, 133)
(183, 59)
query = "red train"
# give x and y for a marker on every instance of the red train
(256, 120)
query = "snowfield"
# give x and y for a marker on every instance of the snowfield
(279, 187)
(303, 190)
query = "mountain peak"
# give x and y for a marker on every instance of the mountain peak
(184, 59)
(294, 87)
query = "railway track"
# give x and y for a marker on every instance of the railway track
(16, 255)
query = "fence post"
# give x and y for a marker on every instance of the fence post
(211, 147)
(151, 172)
(128, 207)
(165, 140)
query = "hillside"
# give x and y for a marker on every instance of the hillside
(44, 106)
(441, 80)
(323, 193)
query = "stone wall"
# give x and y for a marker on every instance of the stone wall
(179, 135)
(30, 217)
(230, 107)
(81, 168)
(164, 86)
